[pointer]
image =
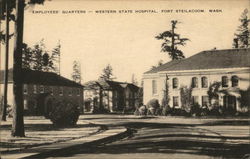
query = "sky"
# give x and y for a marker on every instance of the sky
(126, 41)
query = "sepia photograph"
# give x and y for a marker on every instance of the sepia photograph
(125, 79)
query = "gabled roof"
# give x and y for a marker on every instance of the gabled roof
(43, 78)
(211, 59)
(109, 85)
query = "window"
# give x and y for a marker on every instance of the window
(25, 89)
(195, 99)
(34, 89)
(195, 82)
(224, 80)
(60, 91)
(205, 101)
(78, 92)
(175, 83)
(25, 104)
(115, 94)
(204, 82)
(175, 101)
(235, 81)
(41, 89)
(154, 87)
(51, 90)
(70, 91)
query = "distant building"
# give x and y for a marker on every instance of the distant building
(229, 67)
(41, 89)
(116, 96)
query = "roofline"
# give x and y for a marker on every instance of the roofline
(11, 82)
(194, 71)
(194, 55)
(207, 70)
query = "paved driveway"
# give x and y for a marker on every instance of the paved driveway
(170, 137)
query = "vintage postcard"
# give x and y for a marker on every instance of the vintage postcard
(125, 79)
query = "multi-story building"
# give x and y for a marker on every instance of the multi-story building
(41, 89)
(231, 68)
(115, 96)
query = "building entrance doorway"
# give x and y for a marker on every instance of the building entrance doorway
(229, 103)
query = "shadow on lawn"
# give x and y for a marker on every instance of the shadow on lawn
(120, 117)
(45, 127)
(170, 142)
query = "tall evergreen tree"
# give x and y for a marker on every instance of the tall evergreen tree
(6, 8)
(160, 62)
(56, 57)
(5, 99)
(76, 74)
(107, 73)
(18, 123)
(133, 80)
(171, 41)
(37, 53)
(37, 58)
(47, 63)
(242, 35)
(27, 57)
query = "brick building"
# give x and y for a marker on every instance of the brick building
(41, 89)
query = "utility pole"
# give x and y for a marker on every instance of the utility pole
(6, 72)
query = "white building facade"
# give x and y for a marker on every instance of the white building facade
(229, 67)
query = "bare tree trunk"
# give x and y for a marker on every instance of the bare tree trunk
(5, 99)
(18, 123)
(1, 5)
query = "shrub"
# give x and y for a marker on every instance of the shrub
(215, 111)
(195, 109)
(204, 111)
(64, 114)
(243, 114)
(128, 110)
(152, 106)
(153, 103)
(137, 112)
(166, 110)
(178, 112)
(100, 111)
(142, 110)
